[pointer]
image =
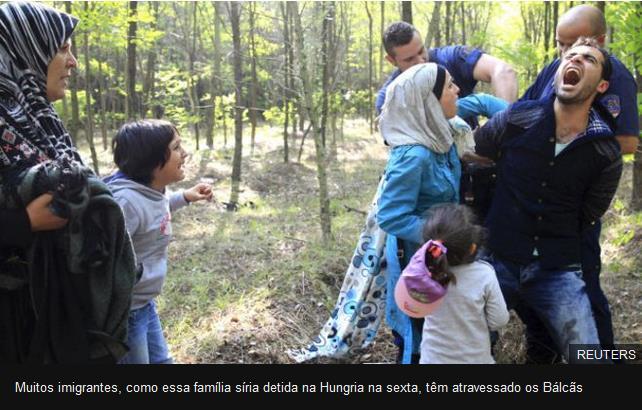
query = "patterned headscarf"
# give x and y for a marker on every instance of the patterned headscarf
(412, 113)
(30, 130)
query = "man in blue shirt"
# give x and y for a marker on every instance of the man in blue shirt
(405, 48)
(558, 167)
(621, 101)
(621, 97)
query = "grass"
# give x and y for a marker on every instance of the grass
(244, 287)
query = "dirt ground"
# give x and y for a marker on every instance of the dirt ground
(246, 286)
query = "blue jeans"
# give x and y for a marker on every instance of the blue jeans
(591, 267)
(557, 298)
(145, 338)
(538, 341)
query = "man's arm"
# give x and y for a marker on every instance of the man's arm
(542, 86)
(622, 100)
(499, 74)
(488, 139)
(381, 95)
(599, 195)
(381, 98)
(628, 143)
(480, 104)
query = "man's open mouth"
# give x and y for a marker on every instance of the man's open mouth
(572, 76)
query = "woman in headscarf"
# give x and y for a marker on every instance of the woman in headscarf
(44, 305)
(423, 170)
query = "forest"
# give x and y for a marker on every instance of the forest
(275, 102)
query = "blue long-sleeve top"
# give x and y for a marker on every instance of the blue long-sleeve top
(480, 104)
(416, 179)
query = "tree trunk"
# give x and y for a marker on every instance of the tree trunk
(148, 84)
(406, 11)
(463, 23)
(334, 69)
(74, 126)
(254, 85)
(324, 200)
(345, 28)
(448, 22)
(65, 109)
(103, 105)
(326, 60)
(301, 111)
(130, 100)
(636, 197)
(382, 28)
(370, 86)
(210, 118)
(601, 5)
(235, 20)
(224, 112)
(433, 31)
(89, 122)
(305, 134)
(294, 97)
(547, 30)
(114, 97)
(556, 8)
(286, 79)
(347, 39)
(193, 76)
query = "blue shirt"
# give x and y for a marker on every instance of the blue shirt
(620, 99)
(416, 179)
(480, 104)
(460, 62)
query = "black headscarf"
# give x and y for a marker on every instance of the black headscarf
(438, 89)
(30, 130)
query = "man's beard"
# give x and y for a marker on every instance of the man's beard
(577, 99)
(582, 96)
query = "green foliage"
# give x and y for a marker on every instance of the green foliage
(510, 44)
(275, 115)
(624, 238)
(498, 27)
(357, 101)
(626, 18)
(618, 205)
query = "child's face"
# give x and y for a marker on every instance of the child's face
(172, 171)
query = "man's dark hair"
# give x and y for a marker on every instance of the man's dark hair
(607, 67)
(397, 34)
(141, 146)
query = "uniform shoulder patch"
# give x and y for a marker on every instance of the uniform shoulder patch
(612, 103)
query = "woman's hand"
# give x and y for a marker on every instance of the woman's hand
(199, 192)
(41, 217)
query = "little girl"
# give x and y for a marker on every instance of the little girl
(149, 157)
(457, 324)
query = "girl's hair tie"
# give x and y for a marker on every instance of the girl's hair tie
(436, 248)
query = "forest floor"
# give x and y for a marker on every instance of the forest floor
(246, 286)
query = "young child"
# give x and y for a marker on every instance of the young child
(459, 296)
(149, 157)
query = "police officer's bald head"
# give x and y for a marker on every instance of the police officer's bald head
(580, 21)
